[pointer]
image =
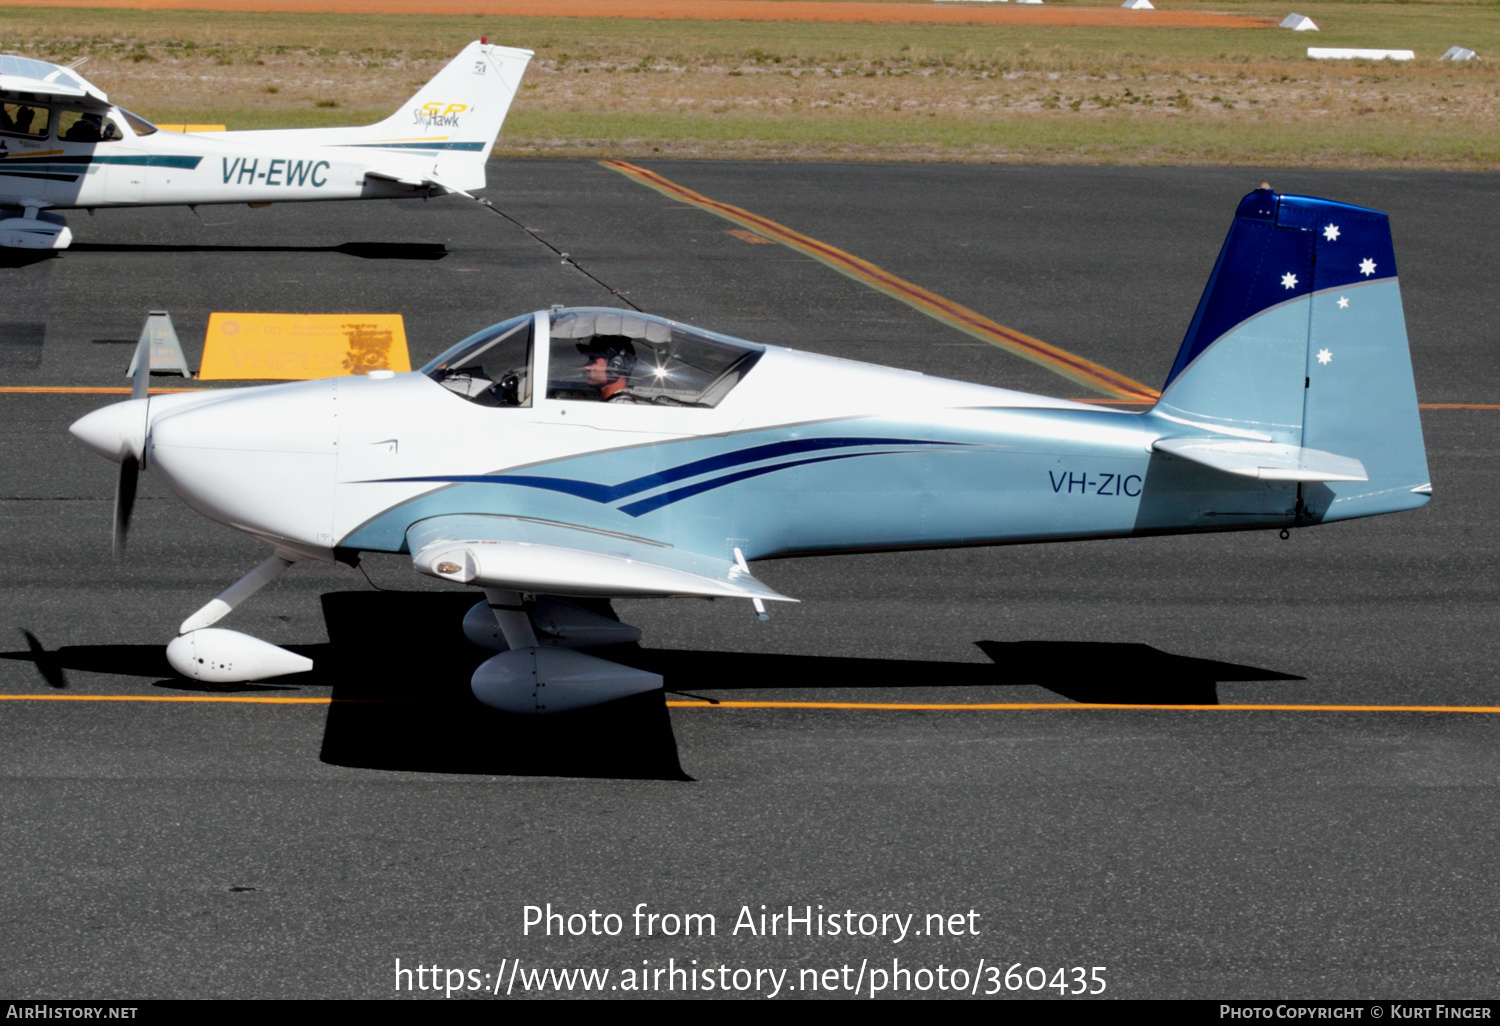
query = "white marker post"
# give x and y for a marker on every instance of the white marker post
(166, 352)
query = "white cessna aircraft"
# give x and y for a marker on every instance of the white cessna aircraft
(601, 452)
(64, 145)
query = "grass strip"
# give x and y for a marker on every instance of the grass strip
(630, 88)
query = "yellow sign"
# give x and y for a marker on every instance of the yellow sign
(295, 347)
(191, 128)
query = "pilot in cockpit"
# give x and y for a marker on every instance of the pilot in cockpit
(608, 361)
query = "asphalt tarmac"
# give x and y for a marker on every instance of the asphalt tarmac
(281, 850)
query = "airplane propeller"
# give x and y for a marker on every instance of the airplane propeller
(134, 457)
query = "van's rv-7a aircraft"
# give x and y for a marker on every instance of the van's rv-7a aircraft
(603, 453)
(63, 145)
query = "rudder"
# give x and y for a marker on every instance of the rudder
(1300, 339)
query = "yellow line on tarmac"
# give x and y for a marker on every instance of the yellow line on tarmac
(1076, 368)
(1033, 706)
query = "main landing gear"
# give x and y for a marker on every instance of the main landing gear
(34, 228)
(537, 670)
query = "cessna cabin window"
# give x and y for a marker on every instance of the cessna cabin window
(619, 356)
(87, 127)
(27, 119)
(491, 367)
(139, 125)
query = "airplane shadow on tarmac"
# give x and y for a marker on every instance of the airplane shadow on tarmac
(399, 666)
(13, 258)
(364, 250)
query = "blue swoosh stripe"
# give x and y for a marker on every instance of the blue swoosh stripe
(609, 493)
(656, 502)
(147, 159)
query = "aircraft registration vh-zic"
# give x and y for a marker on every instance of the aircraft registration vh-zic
(596, 452)
(64, 145)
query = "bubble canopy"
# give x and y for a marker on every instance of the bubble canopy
(638, 358)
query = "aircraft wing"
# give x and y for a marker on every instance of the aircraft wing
(561, 559)
(415, 181)
(1265, 461)
(45, 81)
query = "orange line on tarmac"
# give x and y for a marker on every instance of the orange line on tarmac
(1085, 372)
(71, 390)
(241, 699)
(1031, 706)
(699, 10)
(862, 706)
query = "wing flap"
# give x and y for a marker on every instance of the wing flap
(560, 559)
(1265, 461)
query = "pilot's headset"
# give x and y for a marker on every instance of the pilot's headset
(617, 350)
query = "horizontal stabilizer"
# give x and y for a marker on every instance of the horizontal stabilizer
(1266, 461)
(559, 559)
(418, 181)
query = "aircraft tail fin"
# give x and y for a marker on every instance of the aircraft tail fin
(1300, 341)
(442, 136)
(455, 117)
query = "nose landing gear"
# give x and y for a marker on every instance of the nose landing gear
(214, 655)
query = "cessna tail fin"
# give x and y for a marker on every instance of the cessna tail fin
(443, 135)
(1299, 346)
(459, 112)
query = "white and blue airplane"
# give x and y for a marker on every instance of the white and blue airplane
(604, 453)
(64, 145)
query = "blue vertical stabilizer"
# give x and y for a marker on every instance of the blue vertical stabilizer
(1300, 340)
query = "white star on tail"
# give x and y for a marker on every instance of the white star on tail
(1324, 356)
(1289, 280)
(1367, 267)
(1343, 302)
(1331, 233)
